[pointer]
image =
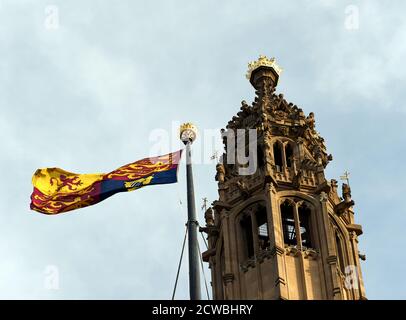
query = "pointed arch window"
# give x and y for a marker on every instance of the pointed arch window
(277, 154)
(296, 224)
(340, 253)
(263, 232)
(288, 223)
(288, 155)
(304, 222)
(255, 230)
(246, 226)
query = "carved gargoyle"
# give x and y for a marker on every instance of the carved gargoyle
(243, 189)
(343, 206)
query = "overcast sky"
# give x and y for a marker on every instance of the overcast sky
(84, 85)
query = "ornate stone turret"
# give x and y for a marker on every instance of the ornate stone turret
(282, 232)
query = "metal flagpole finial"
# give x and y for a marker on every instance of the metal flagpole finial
(188, 133)
(346, 177)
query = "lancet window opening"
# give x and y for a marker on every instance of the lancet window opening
(283, 153)
(246, 226)
(296, 223)
(304, 224)
(255, 230)
(277, 154)
(288, 154)
(340, 252)
(288, 223)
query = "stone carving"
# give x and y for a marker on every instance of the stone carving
(310, 121)
(300, 140)
(209, 217)
(310, 254)
(221, 172)
(323, 197)
(318, 154)
(292, 251)
(264, 122)
(264, 254)
(342, 207)
(243, 188)
(224, 138)
(276, 250)
(346, 192)
(280, 114)
(308, 164)
(244, 106)
(270, 186)
(297, 178)
(250, 263)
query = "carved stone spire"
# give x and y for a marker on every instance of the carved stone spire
(264, 75)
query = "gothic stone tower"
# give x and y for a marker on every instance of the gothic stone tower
(282, 232)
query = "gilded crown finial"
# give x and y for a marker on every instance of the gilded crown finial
(187, 132)
(263, 61)
(187, 125)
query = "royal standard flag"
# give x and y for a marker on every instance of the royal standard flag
(56, 190)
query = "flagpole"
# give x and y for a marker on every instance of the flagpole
(188, 135)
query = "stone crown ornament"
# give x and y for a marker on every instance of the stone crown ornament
(263, 61)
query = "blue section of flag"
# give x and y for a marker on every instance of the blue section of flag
(165, 177)
(110, 187)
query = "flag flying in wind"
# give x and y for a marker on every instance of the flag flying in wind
(56, 190)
